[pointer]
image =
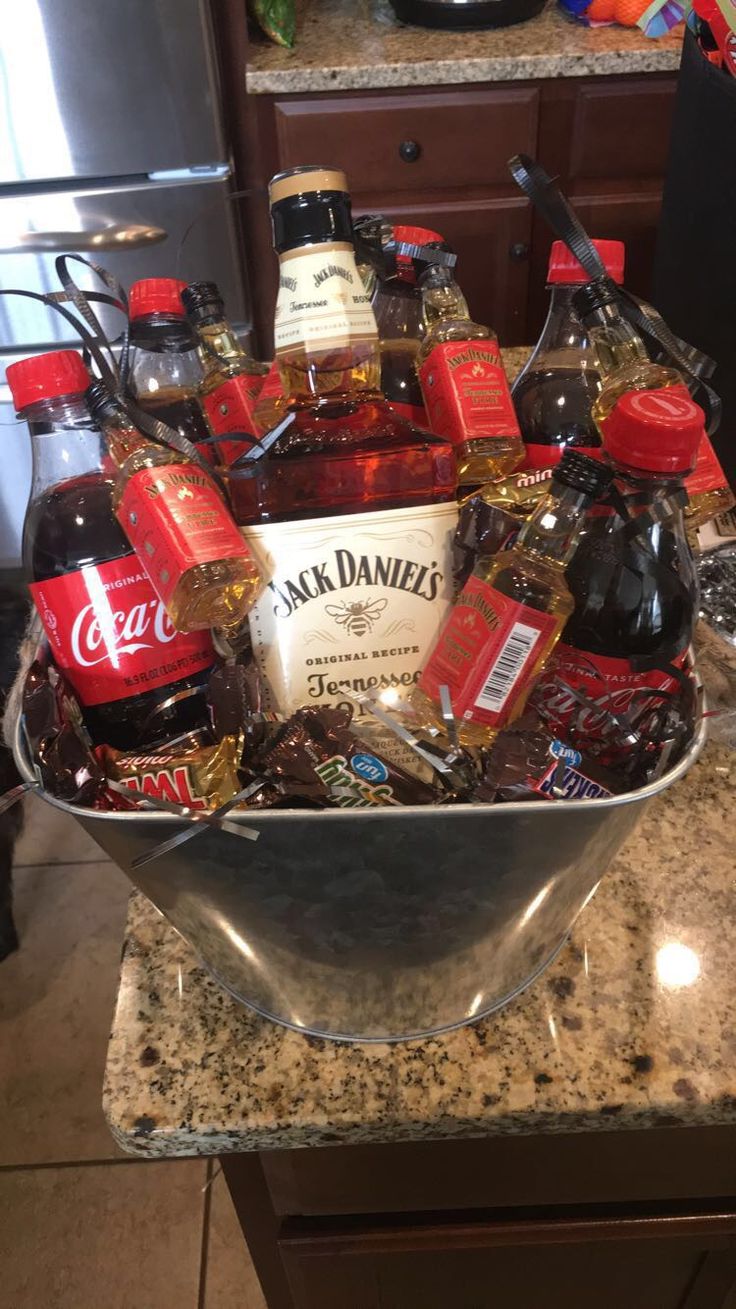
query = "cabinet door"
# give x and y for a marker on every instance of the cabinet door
(491, 239)
(481, 1266)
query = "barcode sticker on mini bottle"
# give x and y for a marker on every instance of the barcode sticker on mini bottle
(487, 653)
(509, 666)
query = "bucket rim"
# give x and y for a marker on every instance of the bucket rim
(452, 812)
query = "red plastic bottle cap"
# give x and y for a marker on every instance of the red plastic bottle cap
(413, 236)
(156, 295)
(658, 431)
(564, 267)
(42, 377)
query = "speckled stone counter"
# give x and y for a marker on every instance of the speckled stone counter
(352, 44)
(634, 1025)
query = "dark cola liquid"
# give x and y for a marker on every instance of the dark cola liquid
(632, 599)
(69, 528)
(399, 380)
(553, 407)
(180, 409)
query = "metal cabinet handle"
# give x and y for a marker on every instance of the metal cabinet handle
(410, 151)
(519, 251)
(120, 236)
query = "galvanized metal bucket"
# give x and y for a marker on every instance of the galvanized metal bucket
(384, 924)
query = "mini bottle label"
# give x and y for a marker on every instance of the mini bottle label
(354, 603)
(111, 635)
(466, 392)
(487, 654)
(322, 302)
(538, 455)
(175, 520)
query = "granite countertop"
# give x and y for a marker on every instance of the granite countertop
(351, 44)
(634, 1025)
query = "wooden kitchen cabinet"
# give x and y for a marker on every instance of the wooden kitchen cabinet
(438, 158)
(612, 1220)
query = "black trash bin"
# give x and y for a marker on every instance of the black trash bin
(695, 264)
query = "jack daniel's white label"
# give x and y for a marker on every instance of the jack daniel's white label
(354, 603)
(322, 302)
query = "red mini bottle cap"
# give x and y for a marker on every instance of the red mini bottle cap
(156, 295)
(42, 377)
(564, 267)
(413, 236)
(657, 431)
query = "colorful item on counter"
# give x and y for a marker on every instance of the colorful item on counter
(277, 18)
(655, 19)
(533, 765)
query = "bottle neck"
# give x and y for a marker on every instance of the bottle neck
(616, 343)
(219, 345)
(446, 316)
(552, 532)
(123, 437)
(163, 356)
(325, 331)
(563, 329)
(65, 443)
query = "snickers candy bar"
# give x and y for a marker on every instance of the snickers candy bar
(531, 765)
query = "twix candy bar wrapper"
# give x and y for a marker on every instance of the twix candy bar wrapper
(189, 773)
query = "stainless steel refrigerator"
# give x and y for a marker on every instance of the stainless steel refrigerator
(111, 145)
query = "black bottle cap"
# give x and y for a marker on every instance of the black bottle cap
(310, 205)
(594, 296)
(581, 473)
(202, 300)
(101, 402)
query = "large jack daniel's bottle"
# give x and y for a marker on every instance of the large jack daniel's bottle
(352, 510)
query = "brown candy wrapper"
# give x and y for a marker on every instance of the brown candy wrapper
(533, 766)
(188, 773)
(315, 756)
(58, 741)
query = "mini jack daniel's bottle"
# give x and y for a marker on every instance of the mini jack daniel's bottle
(352, 510)
(511, 611)
(232, 380)
(625, 366)
(464, 385)
(179, 525)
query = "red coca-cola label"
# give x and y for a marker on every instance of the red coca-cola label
(111, 635)
(415, 414)
(487, 654)
(537, 455)
(175, 520)
(466, 393)
(707, 474)
(231, 406)
(609, 686)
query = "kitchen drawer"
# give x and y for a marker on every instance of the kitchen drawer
(646, 1261)
(419, 143)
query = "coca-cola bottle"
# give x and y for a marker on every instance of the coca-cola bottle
(555, 391)
(633, 582)
(138, 680)
(165, 370)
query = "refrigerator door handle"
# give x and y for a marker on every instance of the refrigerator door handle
(119, 237)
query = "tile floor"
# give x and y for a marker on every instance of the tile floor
(82, 1225)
